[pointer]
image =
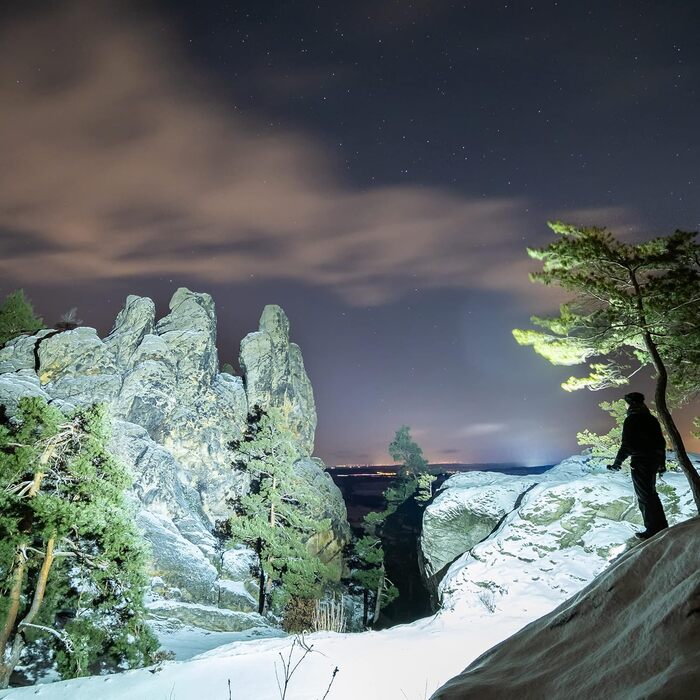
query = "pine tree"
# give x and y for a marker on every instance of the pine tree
(413, 480)
(635, 306)
(603, 448)
(68, 544)
(274, 517)
(369, 569)
(413, 474)
(404, 450)
(17, 316)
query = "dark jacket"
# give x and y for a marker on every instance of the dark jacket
(642, 438)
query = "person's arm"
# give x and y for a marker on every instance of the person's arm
(625, 445)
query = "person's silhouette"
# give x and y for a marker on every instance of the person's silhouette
(643, 441)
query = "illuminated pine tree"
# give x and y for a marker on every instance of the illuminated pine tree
(413, 475)
(275, 517)
(635, 306)
(68, 543)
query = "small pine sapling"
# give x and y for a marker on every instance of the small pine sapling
(17, 317)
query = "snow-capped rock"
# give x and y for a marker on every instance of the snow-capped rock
(275, 374)
(174, 417)
(465, 511)
(206, 617)
(133, 323)
(564, 530)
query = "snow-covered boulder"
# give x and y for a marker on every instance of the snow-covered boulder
(563, 531)
(633, 632)
(465, 511)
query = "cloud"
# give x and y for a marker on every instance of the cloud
(119, 162)
(478, 429)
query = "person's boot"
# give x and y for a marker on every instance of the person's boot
(644, 534)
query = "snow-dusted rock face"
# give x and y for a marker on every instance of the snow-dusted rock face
(564, 530)
(633, 632)
(174, 415)
(275, 374)
(465, 511)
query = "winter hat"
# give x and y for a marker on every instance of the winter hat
(634, 397)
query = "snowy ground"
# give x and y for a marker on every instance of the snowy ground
(406, 662)
(186, 642)
(565, 531)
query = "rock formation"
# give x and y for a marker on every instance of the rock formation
(174, 415)
(634, 632)
(548, 534)
(465, 511)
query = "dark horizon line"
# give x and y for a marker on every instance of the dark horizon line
(395, 467)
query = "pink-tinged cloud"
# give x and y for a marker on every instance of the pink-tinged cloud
(120, 161)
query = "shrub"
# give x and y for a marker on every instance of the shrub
(298, 615)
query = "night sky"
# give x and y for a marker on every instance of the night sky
(377, 168)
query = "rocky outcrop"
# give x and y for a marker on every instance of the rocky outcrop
(560, 534)
(174, 417)
(632, 633)
(275, 375)
(465, 511)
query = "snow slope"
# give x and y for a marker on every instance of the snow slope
(634, 632)
(564, 531)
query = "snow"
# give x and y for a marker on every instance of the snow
(565, 531)
(488, 493)
(186, 641)
(632, 633)
(409, 661)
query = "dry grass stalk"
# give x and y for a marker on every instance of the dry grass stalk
(329, 615)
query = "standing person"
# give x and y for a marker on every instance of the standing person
(643, 442)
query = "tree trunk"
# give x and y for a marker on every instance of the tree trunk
(365, 607)
(13, 609)
(40, 589)
(261, 580)
(670, 425)
(8, 662)
(7, 666)
(273, 521)
(660, 396)
(378, 601)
